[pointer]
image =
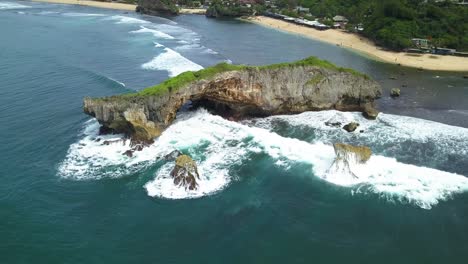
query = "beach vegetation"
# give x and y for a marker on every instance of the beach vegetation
(393, 23)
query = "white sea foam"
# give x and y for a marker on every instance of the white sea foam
(158, 45)
(217, 145)
(48, 13)
(172, 62)
(209, 51)
(156, 33)
(83, 15)
(10, 5)
(388, 130)
(421, 186)
(127, 20)
(92, 159)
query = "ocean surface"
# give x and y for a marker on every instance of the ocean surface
(265, 193)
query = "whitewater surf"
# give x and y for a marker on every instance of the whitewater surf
(218, 145)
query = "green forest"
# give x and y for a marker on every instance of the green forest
(392, 23)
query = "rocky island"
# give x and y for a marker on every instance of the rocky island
(238, 91)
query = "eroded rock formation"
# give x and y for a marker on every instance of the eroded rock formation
(238, 90)
(185, 173)
(347, 161)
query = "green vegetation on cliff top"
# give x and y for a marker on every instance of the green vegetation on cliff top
(183, 79)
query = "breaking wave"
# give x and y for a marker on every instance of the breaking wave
(219, 145)
(412, 140)
(127, 20)
(83, 15)
(156, 33)
(10, 5)
(172, 62)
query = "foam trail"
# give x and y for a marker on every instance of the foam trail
(47, 13)
(82, 15)
(217, 145)
(172, 62)
(10, 5)
(157, 45)
(127, 20)
(433, 142)
(114, 80)
(156, 33)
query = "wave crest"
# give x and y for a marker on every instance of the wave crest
(219, 145)
(172, 62)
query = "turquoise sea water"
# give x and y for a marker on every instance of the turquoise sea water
(265, 196)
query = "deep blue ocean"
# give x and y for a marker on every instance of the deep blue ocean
(265, 195)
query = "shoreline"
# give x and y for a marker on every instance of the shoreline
(107, 5)
(118, 6)
(367, 47)
(332, 36)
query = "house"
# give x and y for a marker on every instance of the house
(340, 19)
(340, 22)
(420, 43)
(301, 9)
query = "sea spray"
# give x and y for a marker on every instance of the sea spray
(217, 145)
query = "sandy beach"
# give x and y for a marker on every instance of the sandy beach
(362, 45)
(119, 6)
(109, 5)
(332, 36)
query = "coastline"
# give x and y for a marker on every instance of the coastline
(331, 36)
(108, 5)
(118, 6)
(367, 47)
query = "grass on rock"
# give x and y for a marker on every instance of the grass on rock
(183, 79)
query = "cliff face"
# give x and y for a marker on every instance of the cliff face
(250, 91)
(157, 7)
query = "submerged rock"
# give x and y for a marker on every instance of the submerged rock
(173, 155)
(242, 91)
(128, 153)
(465, 76)
(333, 124)
(395, 92)
(185, 173)
(351, 127)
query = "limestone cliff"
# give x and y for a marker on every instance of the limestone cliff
(290, 88)
(157, 7)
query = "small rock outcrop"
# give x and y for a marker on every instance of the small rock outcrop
(185, 173)
(350, 153)
(333, 124)
(157, 7)
(347, 161)
(370, 112)
(173, 155)
(242, 91)
(395, 92)
(351, 127)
